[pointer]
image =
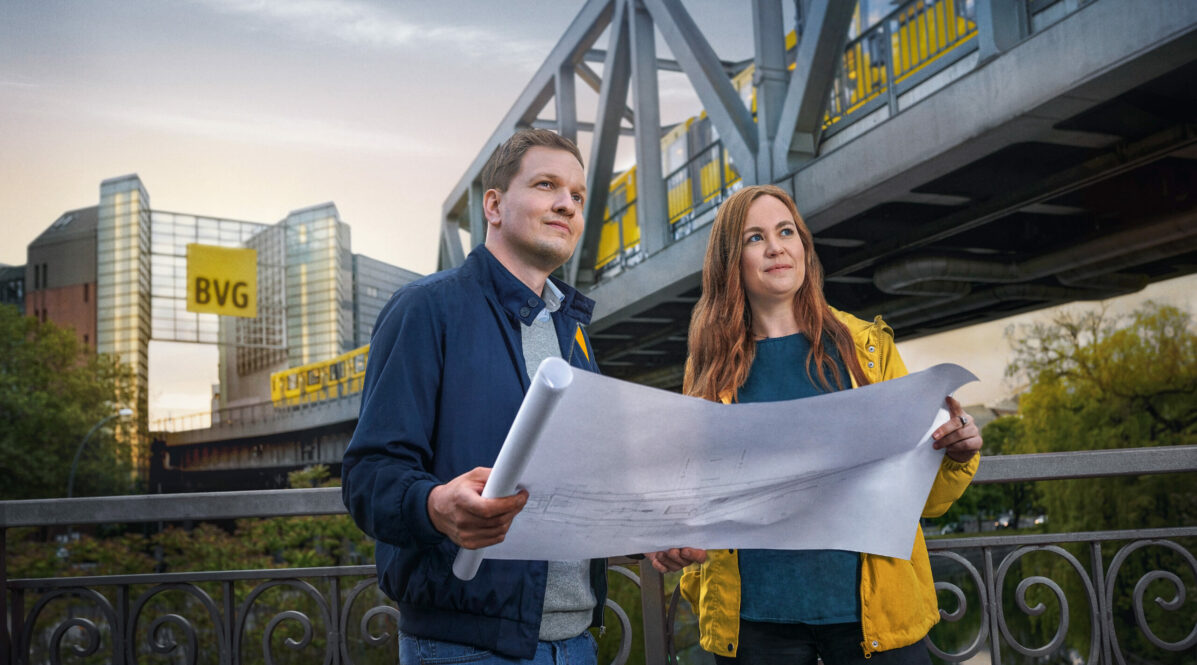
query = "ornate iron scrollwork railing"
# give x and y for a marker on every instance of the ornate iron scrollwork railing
(225, 617)
(306, 615)
(1094, 586)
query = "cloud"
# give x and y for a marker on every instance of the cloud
(253, 129)
(274, 131)
(18, 84)
(360, 24)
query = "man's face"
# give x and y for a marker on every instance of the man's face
(537, 222)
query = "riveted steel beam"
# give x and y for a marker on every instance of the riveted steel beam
(651, 209)
(706, 73)
(770, 78)
(567, 101)
(612, 100)
(581, 34)
(815, 66)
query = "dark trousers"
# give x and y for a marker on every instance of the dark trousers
(764, 643)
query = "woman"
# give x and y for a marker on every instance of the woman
(763, 331)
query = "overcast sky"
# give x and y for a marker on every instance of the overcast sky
(248, 109)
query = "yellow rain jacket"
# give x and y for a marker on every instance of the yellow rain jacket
(897, 597)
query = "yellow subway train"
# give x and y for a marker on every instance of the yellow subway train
(319, 381)
(698, 170)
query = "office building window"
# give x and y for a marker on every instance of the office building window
(85, 287)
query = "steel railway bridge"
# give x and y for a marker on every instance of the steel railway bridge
(957, 161)
(1027, 153)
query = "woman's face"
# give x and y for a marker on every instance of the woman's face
(773, 262)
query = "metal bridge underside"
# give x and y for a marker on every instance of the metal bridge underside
(1046, 167)
(254, 448)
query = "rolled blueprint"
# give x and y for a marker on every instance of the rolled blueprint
(552, 378)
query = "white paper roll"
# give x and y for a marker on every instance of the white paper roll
(552, 378)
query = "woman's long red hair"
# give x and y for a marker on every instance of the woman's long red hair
(721, 339)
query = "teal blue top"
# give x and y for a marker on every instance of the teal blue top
(795, 586)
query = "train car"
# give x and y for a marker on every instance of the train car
(320, 381)
(699, 172)
(919, 34)
(619, 238)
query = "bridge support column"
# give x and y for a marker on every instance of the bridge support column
(567, 101)
(451, 253)
(477, 216)
(770, 80)
(820, 50)
(612, 101)
(705, 71)
(651, 209)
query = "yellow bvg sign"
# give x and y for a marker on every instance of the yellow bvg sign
(222, 280)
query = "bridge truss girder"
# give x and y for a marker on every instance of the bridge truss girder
(984, 186)
(790, 103)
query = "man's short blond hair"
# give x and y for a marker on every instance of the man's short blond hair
(504, 163)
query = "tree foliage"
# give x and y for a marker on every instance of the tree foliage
(52, 391)
(1099, 383)
(1095, 383)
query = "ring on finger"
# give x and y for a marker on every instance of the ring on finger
(963, 420)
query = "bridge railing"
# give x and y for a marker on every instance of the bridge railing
(336, 615)
(235, 416)
(907, 46)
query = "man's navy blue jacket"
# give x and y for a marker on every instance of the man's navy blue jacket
(444, 381)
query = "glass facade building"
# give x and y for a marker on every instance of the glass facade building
(123, 288)
(373, 284)
(319, 285)
(315, 298)
(261, 343)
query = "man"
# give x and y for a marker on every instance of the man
(450, 360)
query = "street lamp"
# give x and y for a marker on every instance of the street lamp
(122, 414)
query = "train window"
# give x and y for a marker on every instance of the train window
(618, 199)
(313, 377)
(868, 14)
(674, 155)
(336, 371)
(359, 363)
(292, 381)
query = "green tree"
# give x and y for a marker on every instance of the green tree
(1006, 436)
(52, 391)
(1002, 436)
(1098, 382)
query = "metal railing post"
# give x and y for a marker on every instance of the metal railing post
(336, 631)
(619, 230)
(652, 604)
(1105, 622)
(995, 631)
(230, 622)
(5, 640)
(17, 634)
(890, 84)
(122, 639)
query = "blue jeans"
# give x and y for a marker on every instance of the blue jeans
(580, 650)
